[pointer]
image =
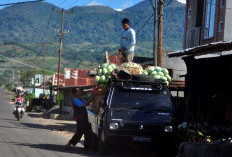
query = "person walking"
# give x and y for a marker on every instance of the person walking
(81, 117)
(128, 41)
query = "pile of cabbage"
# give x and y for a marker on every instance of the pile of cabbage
(104, 74)
(159, 73)
(129, 67)
(204, 133)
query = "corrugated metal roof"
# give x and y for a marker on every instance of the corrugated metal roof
(177, 85)
(54, 80)
(203, 49)
(74, 77)
(78, 77)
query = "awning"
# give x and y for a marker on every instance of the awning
(203, 49)
(177, 85)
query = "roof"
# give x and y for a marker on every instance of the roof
(77, 77)
(82, 86)
(177, 85)
(203, 49)
(55, 78)
(74, 78)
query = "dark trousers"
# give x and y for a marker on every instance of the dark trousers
(83, 127)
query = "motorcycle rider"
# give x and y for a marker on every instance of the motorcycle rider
(19, 101)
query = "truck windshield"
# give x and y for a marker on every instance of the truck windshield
(122, 98)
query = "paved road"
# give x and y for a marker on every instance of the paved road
(26, 138)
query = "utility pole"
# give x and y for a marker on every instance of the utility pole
(27, 69)
(34, 74)
(13, 77)
(154, 6)
(44, 62)
(160, 32)
(25, 77)
(60, 50)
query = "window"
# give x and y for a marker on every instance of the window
(189, 13)
(209, 19)
(220, 26)
(222, 3)
(123, 98)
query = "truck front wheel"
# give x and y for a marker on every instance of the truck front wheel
(103, 149)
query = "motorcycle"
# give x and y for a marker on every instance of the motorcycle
(18, 110)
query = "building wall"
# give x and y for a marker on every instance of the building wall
(228, 21)
(221, 15)
(39, 91)
(176, 64)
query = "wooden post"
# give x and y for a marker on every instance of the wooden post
(160, 14)
(60, 50)
(107, 57)
(154, 42)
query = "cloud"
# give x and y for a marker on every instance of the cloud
(182, 1)
(118, 9)
(127, 4)
(93, 2)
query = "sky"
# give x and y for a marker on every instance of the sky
(66, 4)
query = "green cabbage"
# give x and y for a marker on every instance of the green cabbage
(158, 73)
(97, 78)
(104, 74)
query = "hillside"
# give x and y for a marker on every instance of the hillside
(92, 31)
(94, 24)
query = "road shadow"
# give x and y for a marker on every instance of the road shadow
(55, 128)
(34, 115)
(59, 148)
(82, 151)
(71, 128)
(35, 126)
(13, 119)
(61, 126)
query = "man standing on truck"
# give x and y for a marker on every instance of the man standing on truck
(81, 117)
(128, 41)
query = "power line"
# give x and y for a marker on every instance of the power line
(31, 66)
(68, 6)
(145, 23)
(141, 19)
(168, 3)
(20, 2)
(61, 3)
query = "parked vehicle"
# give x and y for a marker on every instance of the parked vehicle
(134, 112)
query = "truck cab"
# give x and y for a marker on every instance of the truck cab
(134, 113)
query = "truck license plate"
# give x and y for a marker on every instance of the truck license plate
(141, 139)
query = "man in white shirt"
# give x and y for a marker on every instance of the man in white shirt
(128, 41)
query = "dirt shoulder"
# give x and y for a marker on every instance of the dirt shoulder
(65, 128)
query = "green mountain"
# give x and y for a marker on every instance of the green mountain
(35, 22)
(92, 31)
